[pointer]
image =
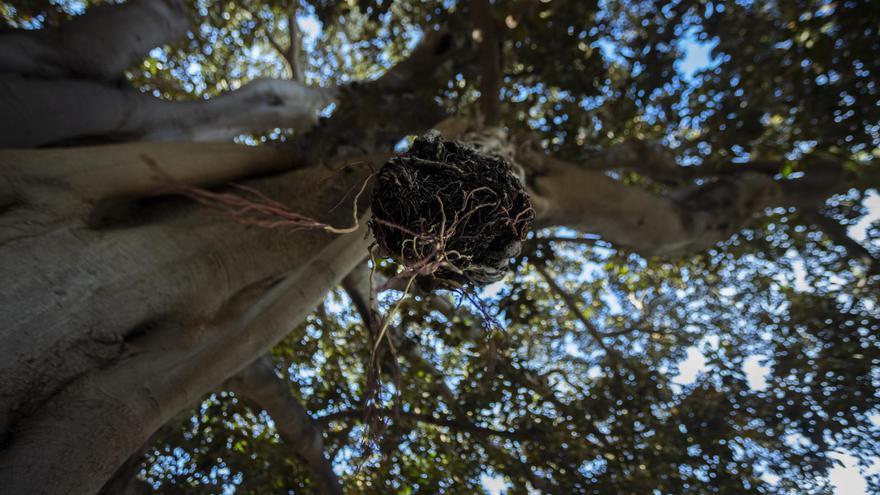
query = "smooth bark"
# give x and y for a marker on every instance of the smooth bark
(687, 219)
(100, 44)
(134, 170)
(109, 332)
(40, 112)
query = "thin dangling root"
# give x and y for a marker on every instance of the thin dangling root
(252, 207)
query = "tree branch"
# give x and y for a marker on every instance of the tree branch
(258, 383)
(573, 309)
(100, 44)
(487, 34)
(291, 54)
(402, 99)
(41, 112)
(690, 219)
(129, 170)
(294, 45)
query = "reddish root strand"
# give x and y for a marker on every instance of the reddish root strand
(252, 207)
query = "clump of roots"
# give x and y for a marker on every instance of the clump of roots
(449, 214)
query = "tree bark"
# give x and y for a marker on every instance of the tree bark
(133, 170)
(109, 332)
(687, 219)
(100, 44)
(41, 112)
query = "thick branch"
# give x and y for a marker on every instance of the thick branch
(688, 219)
(40, 112)
(260, 384)
(487, 34)
(402, 100)
(130, 170)
(100, 44)
(691, 220)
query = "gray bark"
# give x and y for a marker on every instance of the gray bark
(100, 44)
(108, 333)
(687, 219)
(40, 112)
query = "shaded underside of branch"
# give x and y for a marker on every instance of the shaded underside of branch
(689, 218)
(41, 112)
(100, 44)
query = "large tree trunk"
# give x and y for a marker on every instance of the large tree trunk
(109, 330)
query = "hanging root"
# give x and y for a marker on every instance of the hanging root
(249, 206)
(451, 217)
(376, 423)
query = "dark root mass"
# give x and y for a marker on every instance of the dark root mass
(446, 211)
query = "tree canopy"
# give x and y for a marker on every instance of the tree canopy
(564, 377)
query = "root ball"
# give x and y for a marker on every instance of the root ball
(446, 211)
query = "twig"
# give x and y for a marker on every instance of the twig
(569, 301)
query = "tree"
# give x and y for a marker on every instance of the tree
(672, 210)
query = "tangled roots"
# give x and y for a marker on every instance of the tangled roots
(446, 211)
